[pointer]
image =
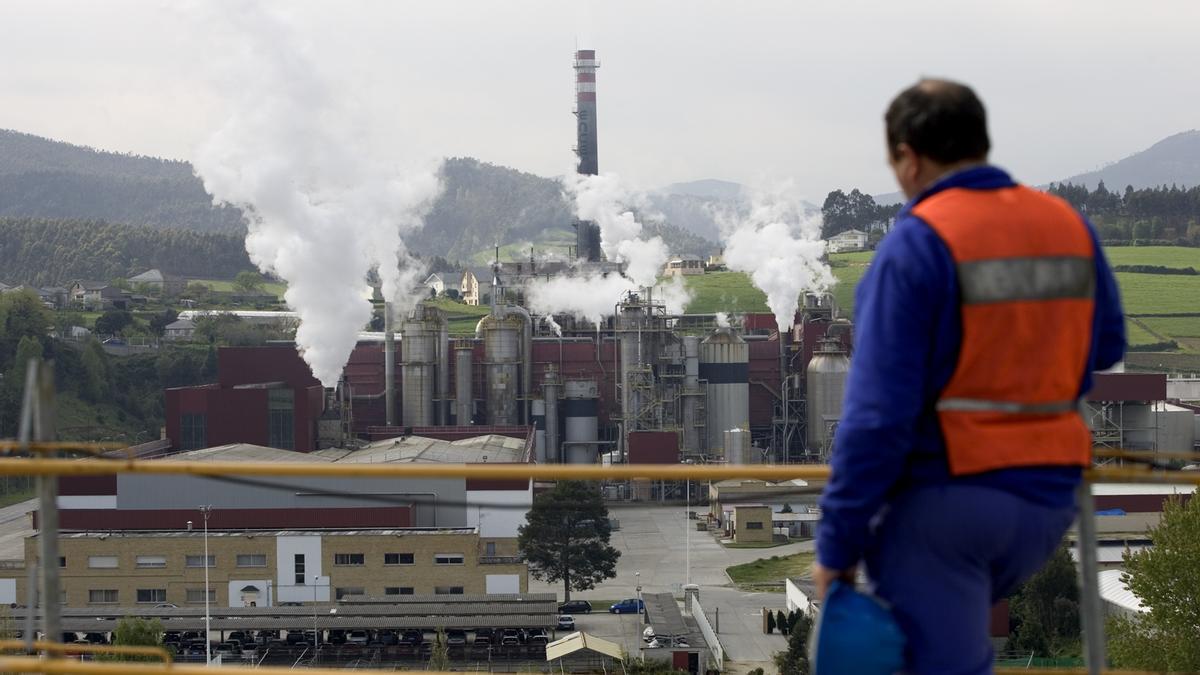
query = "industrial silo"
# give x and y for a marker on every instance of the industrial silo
(539, 430)
(418, 356)
(501, 341)
(464, 395)
(826, 375)
(580, 405)
(725, 367)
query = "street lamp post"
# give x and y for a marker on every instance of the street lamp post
(206, 510)
(316, 638)
(641, 620)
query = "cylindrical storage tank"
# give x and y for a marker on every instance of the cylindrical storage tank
(539, 430)
(826, 387)
(725, 366)
(418, 354)
(737, 448)
(629, 323)
(464, 401)
(550, 389)
(580, 406)
(501, 339)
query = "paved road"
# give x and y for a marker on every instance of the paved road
(651, 540)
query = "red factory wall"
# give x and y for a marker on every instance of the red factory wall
(653, 447)
(578, 360)
(764, 380)
(256, 365)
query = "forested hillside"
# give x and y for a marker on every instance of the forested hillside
(41, 178)
(46, 252)
(482, 205)
(1163, 214)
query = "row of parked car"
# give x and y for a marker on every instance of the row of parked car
(626, 606)
(239, 642)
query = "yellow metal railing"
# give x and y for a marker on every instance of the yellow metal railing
(60, 648)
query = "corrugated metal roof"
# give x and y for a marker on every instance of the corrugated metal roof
(396, 532)
(579, 641)
(663, 613)
(324, 621)
(1113, 590)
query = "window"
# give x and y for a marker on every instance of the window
(198, 561)
(340, 593)
(349, 559)
(397, 558)
(192, 428)
(62, 561)
(448, 590)
(489, 549)
(252, 560)
(148, 561)
(151, 595)
(398, 590)
(281, 430)
(299, 566)
(105, 596)
(754, 525)
(448, 559)
(197, 595)
(102, 562)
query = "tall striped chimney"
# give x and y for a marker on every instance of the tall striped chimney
(585, 111)
(587, 233)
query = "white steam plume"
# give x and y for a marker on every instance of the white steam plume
(722, 320)
(603, 200)
(778, 243)
(324, 205)
(674, 295)
(590, 297)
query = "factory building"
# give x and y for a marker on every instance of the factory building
(262, 568)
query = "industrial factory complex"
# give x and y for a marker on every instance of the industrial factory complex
(643, 385)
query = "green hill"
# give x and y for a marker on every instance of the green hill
(1161, 308)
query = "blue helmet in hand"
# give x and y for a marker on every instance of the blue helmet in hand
(855, 633)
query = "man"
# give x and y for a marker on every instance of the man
(978, 325)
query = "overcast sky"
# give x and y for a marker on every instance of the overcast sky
(749, 91)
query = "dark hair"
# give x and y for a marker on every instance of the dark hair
(939, 119)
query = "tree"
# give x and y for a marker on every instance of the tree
(1165, 578)
(23, 314)
(770, 621)
(565, 537)
(781, 622)
(1045, 610)
(439, 658)
(794, 661)
(97, 382)
(113, 321)
(248, 282)
(28, 348)
(134, 631)
(160, 321)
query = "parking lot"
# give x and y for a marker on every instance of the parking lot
(651, 540)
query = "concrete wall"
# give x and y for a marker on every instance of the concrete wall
(744, 517)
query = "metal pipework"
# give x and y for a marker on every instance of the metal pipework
(550, 396)
(389, 366)
(443, 371)
(463, 383)
(691, 392)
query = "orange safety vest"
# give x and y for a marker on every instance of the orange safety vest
(1027, 275)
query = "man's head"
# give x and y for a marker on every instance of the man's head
(933, 127)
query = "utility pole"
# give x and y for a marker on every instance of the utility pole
(37, 425)
(206, 510)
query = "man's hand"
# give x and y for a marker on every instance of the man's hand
(823, 577)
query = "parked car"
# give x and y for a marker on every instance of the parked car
(483, 637)
(536, 636)
(510, 637)
(412, 637)
(456, 638)
(627, 606)
(357, 636)
(566, 622)
(575, 607)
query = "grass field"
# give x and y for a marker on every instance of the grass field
(1159, 293)
(1136, 335)
(730, 292)
(461, 318)
(226, 286)
(1165, 256)
(771, 570)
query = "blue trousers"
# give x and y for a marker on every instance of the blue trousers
(942, 555)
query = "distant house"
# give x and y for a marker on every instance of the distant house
(475, 285)
(684, 265)
(715, 263)
(850, 240)
(98, 295)
(56, 295)
(436, 283)
(165, 284)
(183, 329)
(48, 299)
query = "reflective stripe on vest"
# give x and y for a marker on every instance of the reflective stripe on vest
(1012, 279)
(1026, 273)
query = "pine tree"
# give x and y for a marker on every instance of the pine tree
(565, 537)
(794, 661)
(770, 621)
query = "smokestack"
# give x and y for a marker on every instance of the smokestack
(587, 233)
(389, 367)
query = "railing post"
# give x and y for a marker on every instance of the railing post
(1091, 612)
